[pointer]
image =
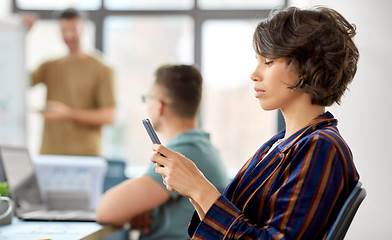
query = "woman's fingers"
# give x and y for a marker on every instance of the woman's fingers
(177, 171)
(171, 189)
(162, 150)
(163, 179)
(159, 159)
(161, 155)
(160, 169)
(167, 186)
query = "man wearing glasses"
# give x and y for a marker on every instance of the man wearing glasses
(173, 104)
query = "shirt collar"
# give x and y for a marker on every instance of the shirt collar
(322, 121)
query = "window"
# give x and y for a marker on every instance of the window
(149, 5)
(136, 47)
(136, 37)
(236, 4)
(44, 42)
(59, 4)
(230, 112)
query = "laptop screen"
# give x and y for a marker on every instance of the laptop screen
(20, 175)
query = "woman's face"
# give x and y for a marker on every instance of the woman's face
(272, 77)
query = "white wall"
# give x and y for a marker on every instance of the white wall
(365, 113)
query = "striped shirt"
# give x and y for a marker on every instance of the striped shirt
(296, 192)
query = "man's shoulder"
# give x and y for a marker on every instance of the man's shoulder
(52, 62)
(98, 60)
(183, 146)
(192, 140)
(199, 149)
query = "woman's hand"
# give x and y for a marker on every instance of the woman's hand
(178, 172)
(181, 175)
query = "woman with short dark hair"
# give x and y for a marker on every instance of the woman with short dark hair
(295, 184)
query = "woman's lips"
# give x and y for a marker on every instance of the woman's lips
(259, 92)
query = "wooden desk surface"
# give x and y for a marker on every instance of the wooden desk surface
(26, 230)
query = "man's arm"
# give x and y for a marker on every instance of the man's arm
(95, 117)
(28, 20)
(127, 200)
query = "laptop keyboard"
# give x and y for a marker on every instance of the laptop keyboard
(60, 215)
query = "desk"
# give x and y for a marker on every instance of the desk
(28, 230)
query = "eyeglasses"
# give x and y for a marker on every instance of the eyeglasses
(145, 98)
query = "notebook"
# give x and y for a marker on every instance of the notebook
(19, 171)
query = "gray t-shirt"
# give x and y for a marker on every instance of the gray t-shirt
(170, 220)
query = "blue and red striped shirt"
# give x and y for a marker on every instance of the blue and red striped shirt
(294, 192)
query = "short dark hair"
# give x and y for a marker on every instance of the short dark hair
(184, 88)
(319, 43)
(70, 13)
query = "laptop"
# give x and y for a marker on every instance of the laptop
(18, 170)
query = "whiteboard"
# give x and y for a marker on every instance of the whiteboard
(13, 82)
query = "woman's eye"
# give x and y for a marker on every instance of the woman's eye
(269, 63)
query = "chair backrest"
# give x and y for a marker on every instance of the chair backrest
(115, 174)
(347, 213)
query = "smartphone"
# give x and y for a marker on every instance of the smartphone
(151, 132)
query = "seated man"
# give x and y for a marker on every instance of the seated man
(173, 104)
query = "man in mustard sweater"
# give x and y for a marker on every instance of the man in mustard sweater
(80, 96)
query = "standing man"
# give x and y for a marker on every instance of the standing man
(173, 104)
(80, 96)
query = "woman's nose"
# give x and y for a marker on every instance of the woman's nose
(255, 76)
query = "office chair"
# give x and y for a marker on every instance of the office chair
(346, 214)
(115, 174)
